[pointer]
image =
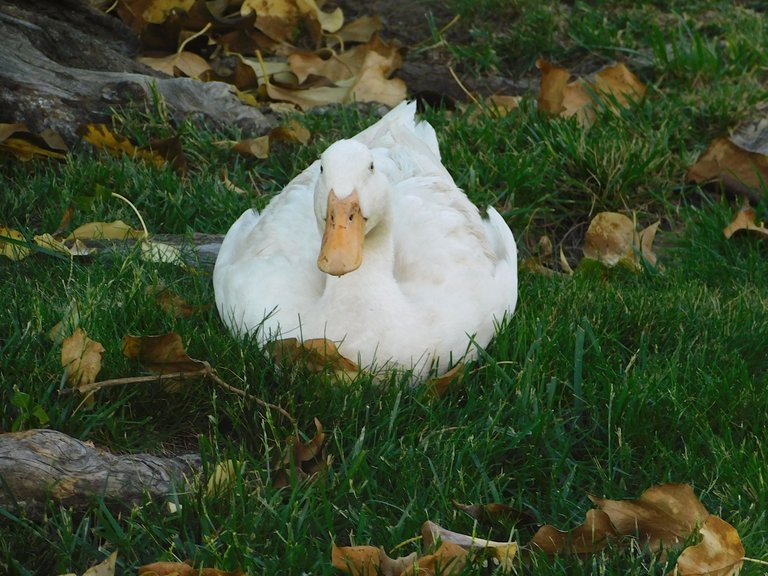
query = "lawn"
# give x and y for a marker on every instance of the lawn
(604, 382)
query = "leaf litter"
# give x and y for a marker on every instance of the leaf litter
(665, 517)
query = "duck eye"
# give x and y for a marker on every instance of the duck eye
(371, 167)
(321, 168)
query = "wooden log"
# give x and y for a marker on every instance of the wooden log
(63, 64)
(40, 464)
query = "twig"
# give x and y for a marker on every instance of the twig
(209, 372)
(463, 88)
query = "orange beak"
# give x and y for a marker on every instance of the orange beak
(342, 248)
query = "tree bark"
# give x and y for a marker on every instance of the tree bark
(63, 64)
(40, 464)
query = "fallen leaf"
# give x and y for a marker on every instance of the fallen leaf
(257, 147)
(745, 219)
(67, 325)
(187, 63)
(720, 552)
(81, 358)
(439, 385)
(449, 559)
(105, 568)
(301, 459)
(13, 245)
(740, 170)
(503, 552)
(373, 82)
(153, 251)
(163, 354)
(100, 136)
(360, 30)
(591, 536)
(664, 515)
(612, 87)
(609, 238)
(48, 242)
(16, 139)
(182, 569)
(647, 235)
(117, 230)
(315, 354)
(293, 131)
(223, 478)
(172, 302)
(368, 560)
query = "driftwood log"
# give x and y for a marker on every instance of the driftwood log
(40, 464)
(63, 64)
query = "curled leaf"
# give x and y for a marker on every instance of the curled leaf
(591, 536)
(745, 219)
(81, 358)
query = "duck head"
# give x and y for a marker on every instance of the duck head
(351, 199)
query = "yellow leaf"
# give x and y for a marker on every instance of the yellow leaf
(157, 11)
(223, 478)
(9, 246)
(720, 552)
(117, 230)
(50, 243)
(106, 568)
(81, 358)
(369, 561)
(551, 91)
(100, 136)
(17, 140)
(152, 251)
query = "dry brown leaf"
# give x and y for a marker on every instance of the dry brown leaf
(158, 152)
(449, 559)
(591, 536)
(293, 131)
(737, 169)
(182, 569)
(356, 560)
(9, 246)
(278, 19)
(187, 63)
(647, 235)
(360, 30)
(610, 238)
(315, 354)
(502, 104)
(373, 82)
(117, 230)
(48, 242)
(302, 459)
(172, 302)
(306, 99)
(720, 552)
(439, 385)
(553, 82)
(745, 219)
(16, 139)
(613, 87)
(663, 516)
(163, 354)
(257, 147)
(81, 358)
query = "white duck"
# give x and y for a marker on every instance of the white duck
(375, 248)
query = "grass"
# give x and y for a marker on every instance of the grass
(604, 383)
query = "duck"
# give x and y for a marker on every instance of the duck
(375, 248)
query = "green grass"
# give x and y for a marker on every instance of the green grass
(604, 383)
